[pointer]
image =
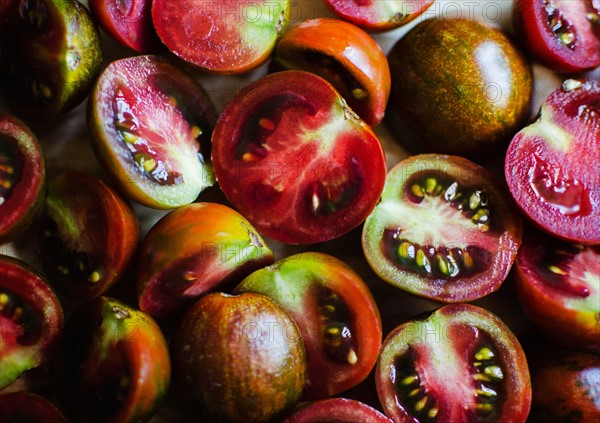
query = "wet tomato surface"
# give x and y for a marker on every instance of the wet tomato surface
(193, 250)
(460, 363)
(336, 313)
(551, 166)
(22, 176)
(31, 320)
(563, 35)
(87, 235)
(295, 160)
(444, 229)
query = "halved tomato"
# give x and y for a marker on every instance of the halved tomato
(31, 320)
(295, 160)
(561, 34)
(27, 407)
(558, 284)
(22, 176)
(336, 410)
(151, 124)
(551, 165)
(377, 15)
(225, 36)
(444, 229)
(459, 364)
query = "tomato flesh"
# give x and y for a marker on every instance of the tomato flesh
(551, 165)
(295, 160)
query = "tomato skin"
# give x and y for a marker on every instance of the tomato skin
(30, 288)
(29, 186)
(453, 331)
(193, 250)
(88, 217)
(115, 363)
(129, 22)
(220, 338)
(398, 213)
(296, 283)
(550, 165)
(358, 54)
(322, 171)
(336, 410)
(28, 407)
(372, 15)
(533, 31)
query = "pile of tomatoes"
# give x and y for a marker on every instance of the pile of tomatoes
(312, 211)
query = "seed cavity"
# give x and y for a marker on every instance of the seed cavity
(335, 326)
(488, 378)
(562, 28)
(10, 167)
(336, 73)
(16, 310)
(410, 392)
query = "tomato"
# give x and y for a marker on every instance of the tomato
(87, 236)
(336, 410)
(558, 284)
(27, 407)
(31, 320)
(151, 124)
(22, 176)
(228, 36)
(444, 229)
(337, 316)
(551, 166)
(458, 87)
(295, 160)
(114, 364)
(240, 357)
(345, 56)
(51, 55)
(197, 248)
(376, 15)
(561, 34)
(127, 21)
(460, 363)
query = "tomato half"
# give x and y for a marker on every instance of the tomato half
(295, 160)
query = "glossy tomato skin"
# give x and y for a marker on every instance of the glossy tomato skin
(129, 22)
(336, 410)
(336, 313)
(565, 387)
(22, 176)
(460, 363)
(29, 408)
(375, 15)
(220, 338)
(225, 37)
(151, 123)
(87, 236)
(574, 44)
(195, 249)
(295, 160)
(557, 285)
(471, 247)
(31, 322)
(115, 364)
(480, 102)
(51, 56)
(344, 55)
(551, 165)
